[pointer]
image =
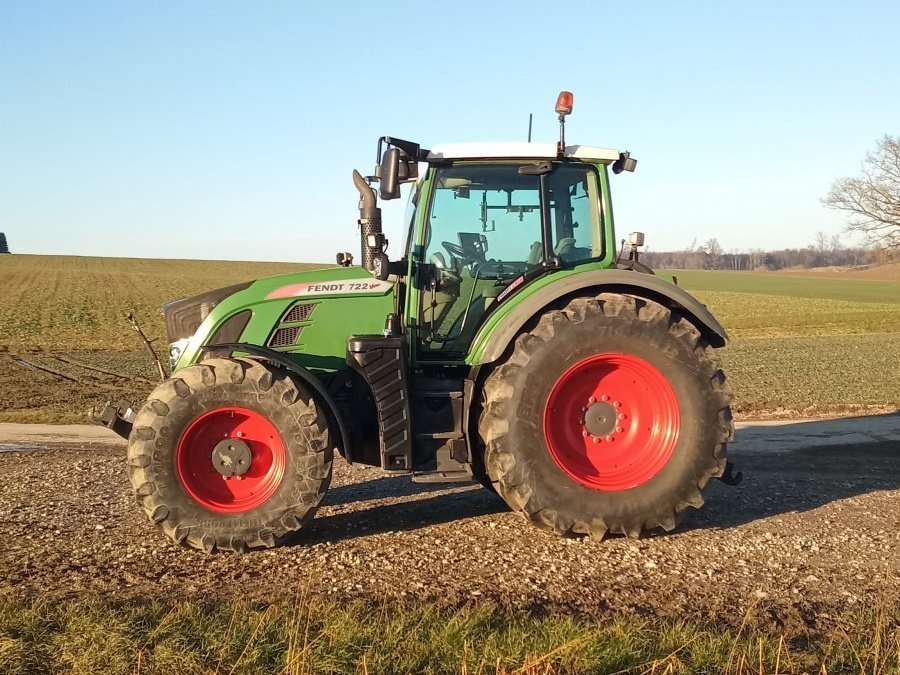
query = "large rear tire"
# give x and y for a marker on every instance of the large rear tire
(230, 454)
(611, 415)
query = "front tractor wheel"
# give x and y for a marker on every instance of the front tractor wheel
(611, 415)
(230, 454)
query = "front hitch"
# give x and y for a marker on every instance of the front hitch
(731, 476)
(118, 417)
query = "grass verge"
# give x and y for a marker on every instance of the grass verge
(158, 636)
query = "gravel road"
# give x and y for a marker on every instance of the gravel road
(813, 530)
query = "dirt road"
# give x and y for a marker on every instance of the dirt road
(813, 530)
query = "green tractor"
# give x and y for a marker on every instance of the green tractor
(511, 345)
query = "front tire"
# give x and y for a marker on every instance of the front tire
(230, 454)
(611, 415)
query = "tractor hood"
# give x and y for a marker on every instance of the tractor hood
(310, 312)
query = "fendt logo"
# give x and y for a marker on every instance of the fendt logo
(341, 287)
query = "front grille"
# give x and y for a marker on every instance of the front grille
(299, 312)
(285, 337)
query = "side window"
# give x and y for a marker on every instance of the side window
(573, 213)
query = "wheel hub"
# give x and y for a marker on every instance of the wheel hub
(600, 419)
(611, 421)
(231, 457)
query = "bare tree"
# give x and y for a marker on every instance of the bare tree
(873, 198)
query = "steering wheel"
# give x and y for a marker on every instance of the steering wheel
(458, 251)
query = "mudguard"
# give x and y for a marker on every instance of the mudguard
(295, 368)
(594, 282)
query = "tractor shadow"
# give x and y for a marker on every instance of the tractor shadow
(788, 468)
(423, 505)
(801, 466)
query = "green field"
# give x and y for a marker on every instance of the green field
(801, 345)
(89, 636)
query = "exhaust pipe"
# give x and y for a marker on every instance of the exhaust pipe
(369, 221)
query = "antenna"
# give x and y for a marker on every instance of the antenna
(529, 127)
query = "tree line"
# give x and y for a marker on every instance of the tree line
(824, 252)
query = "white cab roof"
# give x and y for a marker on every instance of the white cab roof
(587, 153)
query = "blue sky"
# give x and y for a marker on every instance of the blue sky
(229, 130)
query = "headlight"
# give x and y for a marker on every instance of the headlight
(175, 351)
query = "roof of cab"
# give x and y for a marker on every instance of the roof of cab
(585, 153)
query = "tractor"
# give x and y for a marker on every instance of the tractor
(511, 345)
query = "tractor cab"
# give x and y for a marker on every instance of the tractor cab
(489, 218)
(485, 220)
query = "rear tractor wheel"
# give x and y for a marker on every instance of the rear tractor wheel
(611, 415)
(230, 454)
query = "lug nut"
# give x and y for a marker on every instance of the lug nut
(596, 440)
(604, 397)
(240, 434)
(584, 432)
(616, 404)
(591, 399)
(618, 430)
(609, 438)
(621, 416)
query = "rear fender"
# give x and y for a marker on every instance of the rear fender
(593, 283)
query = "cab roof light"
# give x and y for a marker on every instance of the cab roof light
(564, 103)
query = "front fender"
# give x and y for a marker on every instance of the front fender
(283, 360)
(495, 336)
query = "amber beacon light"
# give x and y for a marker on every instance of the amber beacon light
(564, 103)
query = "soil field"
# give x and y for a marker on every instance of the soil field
(885, 272)
(64, 343)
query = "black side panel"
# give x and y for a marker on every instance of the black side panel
(382, 362)
(229, 332)
(183, 317)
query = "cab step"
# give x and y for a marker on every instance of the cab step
(442, 477)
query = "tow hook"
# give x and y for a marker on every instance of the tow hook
(118, 417)
(731, 476)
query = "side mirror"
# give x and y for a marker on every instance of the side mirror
(380, 267)
(624, 163)
(389, 174)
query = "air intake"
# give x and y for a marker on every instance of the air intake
(285, 337)
(299, 312)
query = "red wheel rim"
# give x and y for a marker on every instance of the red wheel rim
(612, 421)
(233, 494)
